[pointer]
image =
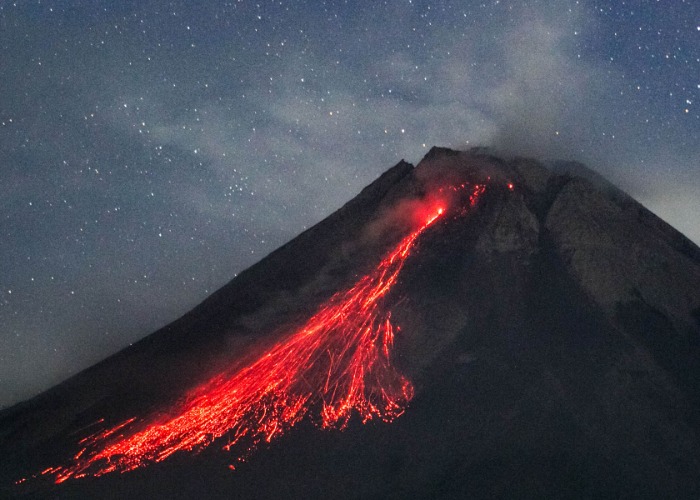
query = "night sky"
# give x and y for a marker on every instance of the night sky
(151, 150)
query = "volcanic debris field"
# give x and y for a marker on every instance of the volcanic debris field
(470, 327)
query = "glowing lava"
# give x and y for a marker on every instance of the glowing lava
(337, 363)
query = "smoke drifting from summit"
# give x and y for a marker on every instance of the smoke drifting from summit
(150, 154)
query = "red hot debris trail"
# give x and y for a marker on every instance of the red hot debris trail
(338, 361)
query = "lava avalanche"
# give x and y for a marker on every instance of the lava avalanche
(336, 364)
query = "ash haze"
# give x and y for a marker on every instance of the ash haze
(149, 151)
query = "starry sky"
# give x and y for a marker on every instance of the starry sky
(150, 150)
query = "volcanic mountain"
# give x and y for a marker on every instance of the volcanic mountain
(470, 327)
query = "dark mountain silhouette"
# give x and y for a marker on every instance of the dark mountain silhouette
(547, 329)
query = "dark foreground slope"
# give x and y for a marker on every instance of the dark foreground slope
(553, 337)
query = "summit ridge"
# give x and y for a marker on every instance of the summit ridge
(547, 324)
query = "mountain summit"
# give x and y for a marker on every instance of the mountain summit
(469, 327)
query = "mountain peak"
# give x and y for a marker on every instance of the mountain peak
(497, 324)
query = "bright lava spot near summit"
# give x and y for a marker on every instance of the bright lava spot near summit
(336, 364)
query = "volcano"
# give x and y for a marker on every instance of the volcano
(470, 327)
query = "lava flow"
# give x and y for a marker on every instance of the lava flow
(337, 363)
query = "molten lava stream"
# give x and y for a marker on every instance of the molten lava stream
(338, 361)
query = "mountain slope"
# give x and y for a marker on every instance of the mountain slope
(551, 332)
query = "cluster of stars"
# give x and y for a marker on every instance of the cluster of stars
(152, 151)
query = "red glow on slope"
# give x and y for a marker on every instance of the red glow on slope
(336, 364)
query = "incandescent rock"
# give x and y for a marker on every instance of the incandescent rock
(551, 330)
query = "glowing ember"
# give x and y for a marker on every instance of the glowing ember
(337, 363)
